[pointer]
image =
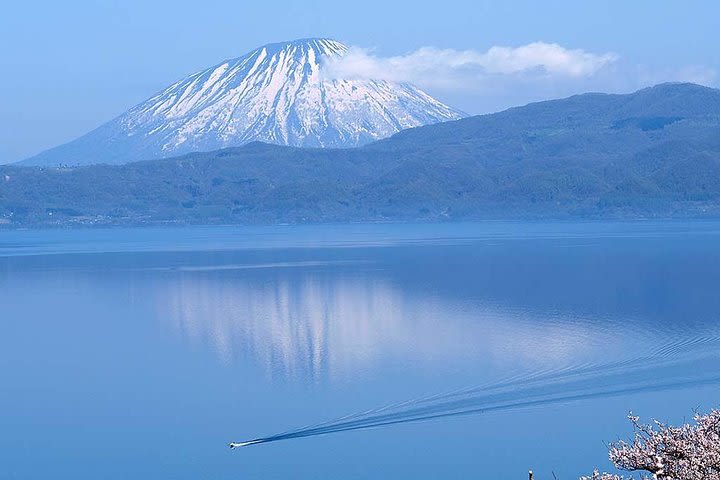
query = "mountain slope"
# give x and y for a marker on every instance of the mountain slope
(275, 94)
(651, 154)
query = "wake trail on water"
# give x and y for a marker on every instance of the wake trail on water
(664, 369)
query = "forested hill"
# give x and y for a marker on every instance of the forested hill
(653, 153)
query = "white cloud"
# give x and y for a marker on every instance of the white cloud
(449, 68)
(690, 73)
(550, 57)
(501, 77)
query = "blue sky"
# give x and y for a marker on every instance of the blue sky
(69, 66)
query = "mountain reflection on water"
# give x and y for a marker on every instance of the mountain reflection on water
(501, 306)
(324, 324)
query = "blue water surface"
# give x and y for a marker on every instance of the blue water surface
(140, 353)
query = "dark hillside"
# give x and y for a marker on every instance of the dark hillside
(653, 153)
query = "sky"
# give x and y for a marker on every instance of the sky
(67, 67)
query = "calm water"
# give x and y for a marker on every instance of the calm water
(141, 353)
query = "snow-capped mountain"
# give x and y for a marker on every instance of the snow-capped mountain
(276, 94)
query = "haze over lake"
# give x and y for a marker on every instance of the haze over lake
(140, 353)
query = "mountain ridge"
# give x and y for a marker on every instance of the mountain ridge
(650, 154)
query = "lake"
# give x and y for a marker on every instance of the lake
(140, 353)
